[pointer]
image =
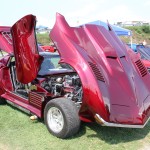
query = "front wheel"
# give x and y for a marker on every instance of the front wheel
(61, 117)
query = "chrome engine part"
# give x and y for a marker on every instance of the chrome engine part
(68, 86)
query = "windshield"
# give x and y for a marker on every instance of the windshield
(50, 62)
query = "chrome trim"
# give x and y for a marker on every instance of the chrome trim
(104, 123)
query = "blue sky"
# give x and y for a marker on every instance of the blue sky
(75, 11)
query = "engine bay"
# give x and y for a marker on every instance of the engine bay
(68, 86)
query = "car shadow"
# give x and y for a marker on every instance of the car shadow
(81, 132)
(25, 113)
(113, 135)
(16, 108)
(110, 135)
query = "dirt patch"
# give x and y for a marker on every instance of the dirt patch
(3, 147)
(146, 147)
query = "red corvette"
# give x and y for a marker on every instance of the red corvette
(93, 77)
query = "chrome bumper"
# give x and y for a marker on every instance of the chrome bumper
(104, 123)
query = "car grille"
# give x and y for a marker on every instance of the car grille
(35, 99)
(97, 72)
(142, 69)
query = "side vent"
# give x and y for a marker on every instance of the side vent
(97, 72)
(7, 36)
(142, 69)
(35, 99)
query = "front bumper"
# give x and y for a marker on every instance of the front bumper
(102, 122)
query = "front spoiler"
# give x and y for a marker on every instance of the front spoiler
(104, 123)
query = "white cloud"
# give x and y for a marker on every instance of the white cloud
(95, 10)
(147, 3)
(114, 14)
(119, 13)
(1, 24)
(44, 21)
(85, 13)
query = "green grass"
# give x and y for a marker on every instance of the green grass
(18, 132)
(43, 38)
(139, 34)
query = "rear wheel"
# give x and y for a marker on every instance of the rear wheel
(61, 117)
(2, 101)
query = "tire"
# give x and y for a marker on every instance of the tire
(2, 101)
(61, 117)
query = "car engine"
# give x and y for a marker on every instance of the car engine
(68, 86)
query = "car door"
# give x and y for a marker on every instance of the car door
(25, 49)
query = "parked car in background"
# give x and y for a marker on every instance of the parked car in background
(135, 47)
(144, 53)
(92, 77)
(48, 48)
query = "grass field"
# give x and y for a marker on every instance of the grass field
(18, 132)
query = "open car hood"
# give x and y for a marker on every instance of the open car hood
(25, 49)
(115, 82)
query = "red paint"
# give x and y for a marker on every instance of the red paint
(146, 63)
(48, 48)
(25, 49)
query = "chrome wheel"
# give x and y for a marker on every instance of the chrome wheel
(61, 117)
(55, 119)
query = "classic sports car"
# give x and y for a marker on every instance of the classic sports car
(93, 76)
(135, 47)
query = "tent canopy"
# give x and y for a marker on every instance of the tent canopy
(118, 30)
